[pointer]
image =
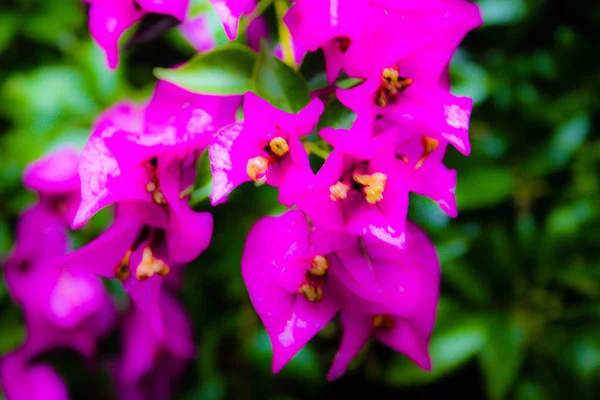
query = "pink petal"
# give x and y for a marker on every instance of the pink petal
(176, 8)
(356, 332)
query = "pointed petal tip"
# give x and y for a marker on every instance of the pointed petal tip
(278, 363)
(425, 363)
(79, 220)
(335, 373)
(216, 199)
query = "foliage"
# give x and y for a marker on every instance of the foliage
(520, 310)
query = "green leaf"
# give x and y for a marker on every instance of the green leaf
(278, 83)
(501, 355)
(336, 115)
(502, 12)
(202, 187)
(467, 281)
(349, 83)
(568, 138)
(483, 187)
(566, 221)
(579, 280)
(224, 71)
(8, 30)
(530, 390)
(427, 213)
(13, 335)
(49, 94)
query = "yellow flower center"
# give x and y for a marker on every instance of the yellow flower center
(153, 186)
(279, 146)
(392, 84)
(312, 292)
(339, 191)
(319, 265)
(383, 321)
(122, 272)
(429, 145)
(150, 265)
(257, 168)
(373, 185)
(312, 288)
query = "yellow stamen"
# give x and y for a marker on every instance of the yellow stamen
(339, 191)
(374, 185)
(144, 269)
(429, 145)
(313, 293)
(158, 197)
(319, 266)
(123, 272)
(279, 146)
(392, 84)
(150, 265)
(160, 267)
(257, 168)
(383, 322)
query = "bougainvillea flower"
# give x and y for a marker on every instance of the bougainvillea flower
(43, 334)
(61, 307)
(144, 351)
(401, 313)
(327, 24)
(286, 277)
(55, 173)
(41, 237)
(145, 242)
(139, 158)
(55, 177)
(445, 116)
(110, 18)
(360, 189)
(395, 30)
(63, 298)
(198, 33)
(230, 11)
(264, 147)
(386, 31)
(131, 149)
(23, 380)
(421, 158)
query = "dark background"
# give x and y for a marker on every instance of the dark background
(519, 314)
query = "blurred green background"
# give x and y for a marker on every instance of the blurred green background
(519, 315)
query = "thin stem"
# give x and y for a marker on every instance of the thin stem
(284, 33)
(314, 148)
(186, 192)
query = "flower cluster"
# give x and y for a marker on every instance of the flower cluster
(109, 19)
(345, 246)
(62, 308)
(348, 247)
(139, 159)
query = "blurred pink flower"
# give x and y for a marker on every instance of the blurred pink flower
(149, 365)
(109, 19)
(230, 11)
